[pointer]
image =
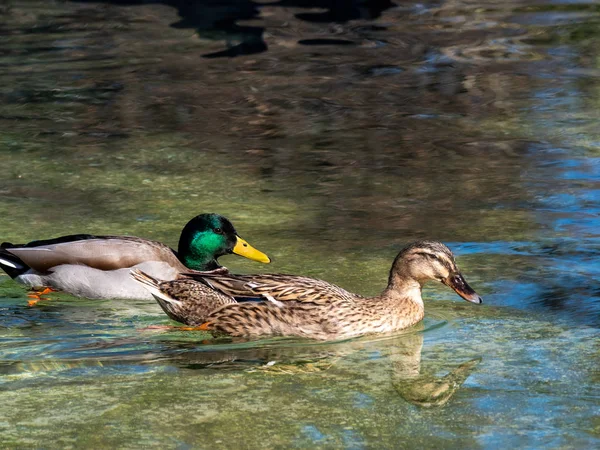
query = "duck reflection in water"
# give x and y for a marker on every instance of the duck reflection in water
(331, 362)
(413, 383)
(424, 389)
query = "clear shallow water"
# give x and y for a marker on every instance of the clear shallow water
(331, 139)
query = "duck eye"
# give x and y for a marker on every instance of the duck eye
(218, 231)
(457, 280)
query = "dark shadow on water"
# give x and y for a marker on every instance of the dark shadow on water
(339, 11)
(212, 19)
(574, 301)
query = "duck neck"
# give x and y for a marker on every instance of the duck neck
(403, 288)
(195, 255)
(402, 302)
(198, 261)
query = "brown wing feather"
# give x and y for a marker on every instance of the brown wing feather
(278, 286)
(106, 253)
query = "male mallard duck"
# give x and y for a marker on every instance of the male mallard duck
(300, 306)
(98, 266)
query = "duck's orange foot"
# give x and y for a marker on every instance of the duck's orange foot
(36, 296)
(192, 328)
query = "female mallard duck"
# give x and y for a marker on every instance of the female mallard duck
(98, 266)
(300, 306)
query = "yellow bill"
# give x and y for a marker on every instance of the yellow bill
(244, 249)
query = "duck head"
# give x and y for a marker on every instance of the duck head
(430, 260)
(207, 237)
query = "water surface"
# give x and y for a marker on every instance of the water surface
(331, 137)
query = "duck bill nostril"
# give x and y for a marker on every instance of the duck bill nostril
(462, 288)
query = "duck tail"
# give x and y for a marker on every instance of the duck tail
(153, 286)
(145, 279)
(11, 264)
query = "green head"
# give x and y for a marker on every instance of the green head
(208, 236)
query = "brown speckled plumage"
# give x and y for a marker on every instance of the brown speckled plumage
(300, 306)
(173, 298)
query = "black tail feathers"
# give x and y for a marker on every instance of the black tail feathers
(11, 264)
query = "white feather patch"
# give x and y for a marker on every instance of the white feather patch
(160, 296)
(8, 263)
(272, 300)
